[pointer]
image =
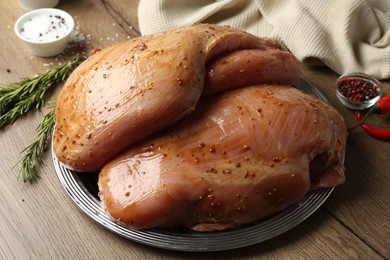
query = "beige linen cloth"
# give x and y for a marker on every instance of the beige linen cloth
(345, 35)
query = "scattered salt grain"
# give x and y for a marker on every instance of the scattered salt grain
(76, 36)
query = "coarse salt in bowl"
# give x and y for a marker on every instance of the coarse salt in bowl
(45, 31)
(358, 90)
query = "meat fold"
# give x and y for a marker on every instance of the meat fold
(136, 87)
(241, 156)
(265, 65)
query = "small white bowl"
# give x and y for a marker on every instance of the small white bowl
(45, 42)
(35, 4)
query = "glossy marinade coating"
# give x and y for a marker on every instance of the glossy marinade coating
(241, 156)
(129, 90)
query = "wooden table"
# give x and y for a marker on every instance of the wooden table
(39, 220)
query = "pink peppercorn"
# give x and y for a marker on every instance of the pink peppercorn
(357, 89)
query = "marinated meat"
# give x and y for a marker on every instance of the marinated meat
(241, 156)
(130, 90)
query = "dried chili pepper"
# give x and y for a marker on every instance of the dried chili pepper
(383, 134)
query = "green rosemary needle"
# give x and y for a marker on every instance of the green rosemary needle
(38, 146)
(20, 97)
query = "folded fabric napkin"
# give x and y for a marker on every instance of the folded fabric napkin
(347, 36)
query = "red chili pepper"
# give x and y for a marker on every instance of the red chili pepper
(382, 106)
(383, 134)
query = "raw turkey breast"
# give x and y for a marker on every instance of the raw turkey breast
(129, 90)
(241, 156)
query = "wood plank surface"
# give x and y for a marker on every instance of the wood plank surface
(40, 221)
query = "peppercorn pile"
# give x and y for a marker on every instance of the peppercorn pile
(357, 89)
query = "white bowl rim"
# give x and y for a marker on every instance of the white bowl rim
(69, 19)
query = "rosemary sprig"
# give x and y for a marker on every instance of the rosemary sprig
(38, 146)
(18, 98)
